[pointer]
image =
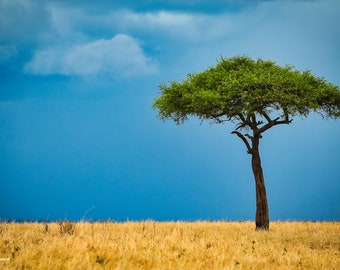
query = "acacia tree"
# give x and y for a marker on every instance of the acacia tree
(256, 95)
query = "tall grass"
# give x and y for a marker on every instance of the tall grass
(169, 245)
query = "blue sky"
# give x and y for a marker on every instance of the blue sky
(78, 136)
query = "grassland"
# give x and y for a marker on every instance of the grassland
(169, 245)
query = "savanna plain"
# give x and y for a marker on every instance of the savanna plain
(169, 245)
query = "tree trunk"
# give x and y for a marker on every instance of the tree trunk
(262, 215)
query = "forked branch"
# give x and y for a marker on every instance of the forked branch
(271, 123)
(244, 139)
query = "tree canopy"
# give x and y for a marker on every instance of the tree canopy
(240, 86)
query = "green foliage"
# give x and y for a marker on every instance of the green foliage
(239, 87)
(100, 260)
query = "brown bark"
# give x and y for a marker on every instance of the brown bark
(262, 215)
(258, 127)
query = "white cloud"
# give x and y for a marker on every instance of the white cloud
(119, 56)
(72, 22)
(183, 26)
(302, 33)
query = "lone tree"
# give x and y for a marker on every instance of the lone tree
(255, 94)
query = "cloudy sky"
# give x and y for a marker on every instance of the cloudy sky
(79, 138)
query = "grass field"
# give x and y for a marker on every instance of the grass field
(169, 245)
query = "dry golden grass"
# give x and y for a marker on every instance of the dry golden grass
(169, 245)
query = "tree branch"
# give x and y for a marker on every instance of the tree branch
(253, 119)
(272, 123)
(244, 122)
(242, 118)
(267, 117)
(243, 138)
(286, 121)
(220, 121)
(217, 115)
